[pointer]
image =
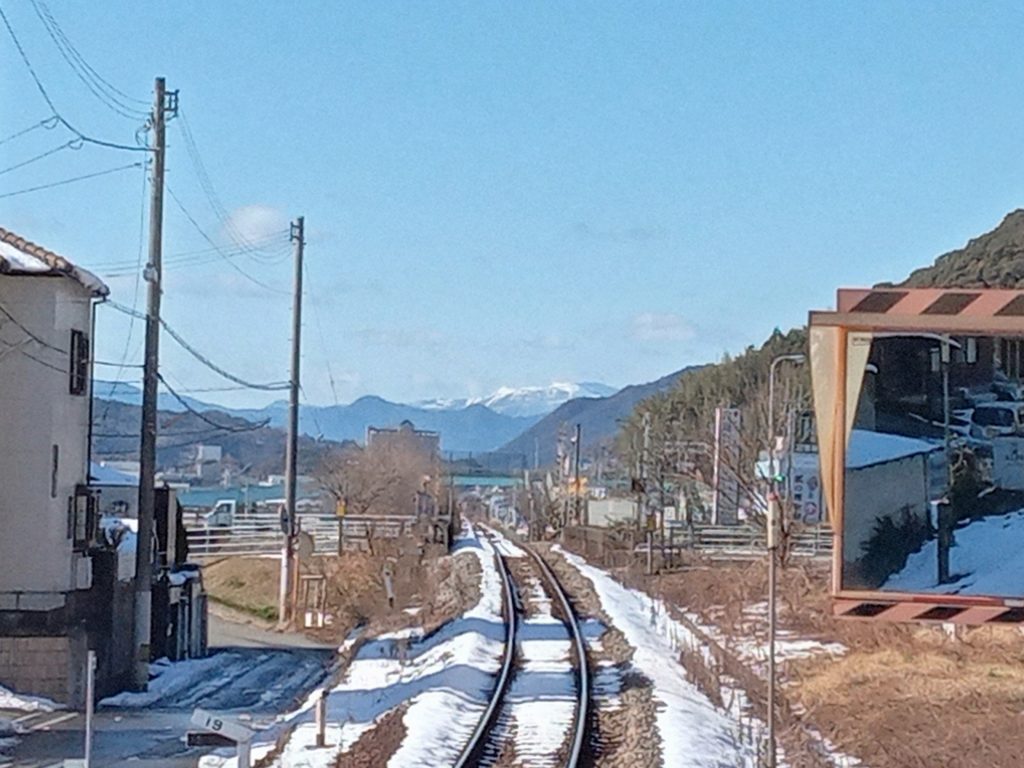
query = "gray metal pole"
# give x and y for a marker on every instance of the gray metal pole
(772, 525)
(291, 452)
(90, 696)
(150, 374)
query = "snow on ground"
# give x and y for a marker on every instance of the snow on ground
(10, 700)
(752, 649)
(693, 732)
(987, 558)
(648, 626)
(542, 697)
(446, 678)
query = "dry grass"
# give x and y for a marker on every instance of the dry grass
(248, 584)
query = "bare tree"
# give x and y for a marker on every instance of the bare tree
(382, 478)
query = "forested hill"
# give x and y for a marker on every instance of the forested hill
(993, 260)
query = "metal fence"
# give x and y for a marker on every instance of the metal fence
(746, 542)
(259, 534)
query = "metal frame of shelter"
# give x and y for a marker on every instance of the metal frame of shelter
(841, 337)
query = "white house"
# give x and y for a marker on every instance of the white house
(47, 515)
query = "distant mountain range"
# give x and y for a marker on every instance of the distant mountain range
(598, 418)
(525, 401)
(474, 428)
(515, 420)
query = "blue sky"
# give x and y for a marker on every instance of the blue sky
(501, 193)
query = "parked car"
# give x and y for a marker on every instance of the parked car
(1002, 419)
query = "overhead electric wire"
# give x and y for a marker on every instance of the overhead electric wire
(219, 250)
(72, 180)
(49, 102)
(97, 85)
(194, 260)
(323, 339)
(75, 144)
(53, 121)
(272, 387)
(280, 238)
(251, 427)
(210, 191)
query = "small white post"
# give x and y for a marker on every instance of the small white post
(244, 759)
(90, 693)
(321, 718)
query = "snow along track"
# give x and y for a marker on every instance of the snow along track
(501, 731)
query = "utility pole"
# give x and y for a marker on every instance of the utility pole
(292, 450)
(773, 525)
(645, 516)
(576, 478)
(162, 104)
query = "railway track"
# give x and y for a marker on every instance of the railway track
(493, 740)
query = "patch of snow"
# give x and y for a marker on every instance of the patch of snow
(987, 558)
(868, 448)
(445, 678)
(693, 732)
(15, 701)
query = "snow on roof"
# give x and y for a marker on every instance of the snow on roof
(100, 474)
(869, 448)
(19, 256)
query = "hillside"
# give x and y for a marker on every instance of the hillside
(116, 429)
(474, 428)
(598, 418)
(993, 260)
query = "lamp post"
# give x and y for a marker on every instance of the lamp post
(773, 544)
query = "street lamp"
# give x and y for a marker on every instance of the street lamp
(773, 530)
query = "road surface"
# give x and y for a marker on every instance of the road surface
(252, 673)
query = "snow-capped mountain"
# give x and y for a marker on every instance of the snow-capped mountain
(525, 401)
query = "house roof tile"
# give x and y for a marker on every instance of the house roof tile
(19, 256)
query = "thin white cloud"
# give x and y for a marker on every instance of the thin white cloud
(255, 223)
(661, 326)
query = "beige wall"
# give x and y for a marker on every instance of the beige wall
(604, 512)
(879, 491)
(36, 413)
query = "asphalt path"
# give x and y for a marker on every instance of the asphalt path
(253, 674)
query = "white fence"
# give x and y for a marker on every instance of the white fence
(743, 542)
(259, 534)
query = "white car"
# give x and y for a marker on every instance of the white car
(1002, 419)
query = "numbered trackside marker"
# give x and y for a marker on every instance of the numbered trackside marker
(228, 728)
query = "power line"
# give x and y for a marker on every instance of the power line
(40, 341)
(49, 123)
(75, 144)
(111, 97)
(72, 180)
(250, 427)
(49, 102)
(196, 260)
(210, 191)
(323, 343)
(218, 249)
(280, 238)
(272, 387)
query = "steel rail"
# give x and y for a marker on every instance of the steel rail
(573, 623)
(471, 752)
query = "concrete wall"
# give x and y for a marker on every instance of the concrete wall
(38, 413)
(40, 666)
(604, 512)
(879, 491)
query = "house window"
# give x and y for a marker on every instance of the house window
(78, 383)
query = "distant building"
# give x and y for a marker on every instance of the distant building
(405, 434)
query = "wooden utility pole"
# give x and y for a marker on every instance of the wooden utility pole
(147, 450)
(576, 478)
(289, 527)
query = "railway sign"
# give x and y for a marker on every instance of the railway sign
(224, 726)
